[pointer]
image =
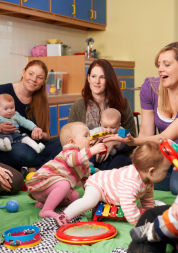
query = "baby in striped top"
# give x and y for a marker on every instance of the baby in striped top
(53, 184)
(123, 186)
(164, 227)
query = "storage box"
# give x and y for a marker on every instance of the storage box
(54, 83)
(57, 49)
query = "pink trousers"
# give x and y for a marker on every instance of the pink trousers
(58, 194)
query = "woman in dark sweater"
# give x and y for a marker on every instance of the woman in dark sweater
(31, 102)
(102, 91)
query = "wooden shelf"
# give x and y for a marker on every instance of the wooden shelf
(46, 17)
(63, 99)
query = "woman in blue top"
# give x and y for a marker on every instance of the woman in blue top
(32, 103)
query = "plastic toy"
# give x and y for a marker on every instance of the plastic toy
(12, 206)
(22, 237)
(93, 170)
(86, 233)
(123, 132)
(170, 150)
(17, 125)
(97, 135)
(104, 152)
(110, 211)
(29, 176)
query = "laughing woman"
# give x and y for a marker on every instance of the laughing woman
(159, 103)
(32, 103)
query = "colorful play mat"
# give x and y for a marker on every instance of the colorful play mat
(28, 214)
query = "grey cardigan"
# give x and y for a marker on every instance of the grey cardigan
(78, 113)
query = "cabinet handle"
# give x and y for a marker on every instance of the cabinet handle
(73, 13)
(25, 1)
(69, 109)
(95, 15)
(91, 14)
(123, 85)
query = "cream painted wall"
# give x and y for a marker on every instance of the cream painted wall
(136, 30)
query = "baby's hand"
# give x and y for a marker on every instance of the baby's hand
(98, 148)
(175, 211)
(37, 133)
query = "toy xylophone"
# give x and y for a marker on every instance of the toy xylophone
(110, 211)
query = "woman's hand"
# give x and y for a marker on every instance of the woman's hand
(110, 145)
(37, 133)
(5, 179)
(7, 128)
(128, 139)
(98, 148)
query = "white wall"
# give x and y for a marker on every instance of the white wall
(136, 31)
(19, 36)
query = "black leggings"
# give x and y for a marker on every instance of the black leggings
(151, 247)
(17, 181)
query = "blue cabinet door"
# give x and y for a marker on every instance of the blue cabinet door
(37, 4)
(83, 9)
(62, 7)
(53, 120)
(12, 1)
(62, 122)
(99, 9)
(129, 94)
(64, 110)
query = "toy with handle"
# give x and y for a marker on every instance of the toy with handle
(12, 206)
(170, 150)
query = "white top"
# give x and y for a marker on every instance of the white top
(168, 120)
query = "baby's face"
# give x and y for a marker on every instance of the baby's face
(111, 126)
(82, 136)
(7, 109)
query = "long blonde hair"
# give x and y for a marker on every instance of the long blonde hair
(39, 106)
(163, 92)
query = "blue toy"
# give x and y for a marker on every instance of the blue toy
(123, 132)
(93, 170)
(17, 126)
(12, 206)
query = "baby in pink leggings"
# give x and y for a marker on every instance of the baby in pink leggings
(53, 184)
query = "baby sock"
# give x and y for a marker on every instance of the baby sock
(41, 146)
(62, 220)
(5, 144)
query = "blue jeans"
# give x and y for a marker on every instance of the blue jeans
(117, 161)
(23, 155)
(169, 183)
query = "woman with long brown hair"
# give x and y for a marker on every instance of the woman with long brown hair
(102, 91)
(32, 103)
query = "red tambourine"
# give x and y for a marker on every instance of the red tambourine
(170, 150)
(86, 233)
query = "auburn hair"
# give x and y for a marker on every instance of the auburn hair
(39, 106)
(163, 92)
(113, 95)
(147, 156)
(6, 97)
